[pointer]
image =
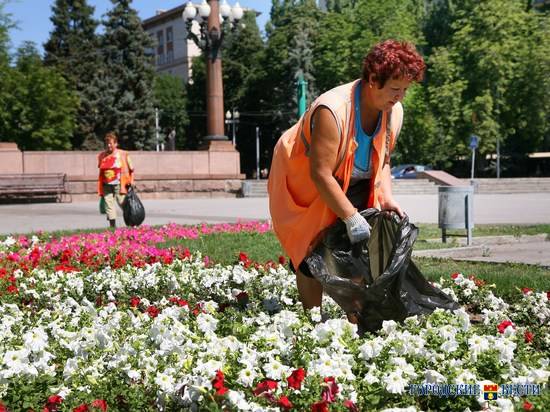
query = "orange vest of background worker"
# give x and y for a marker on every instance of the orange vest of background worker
(116, 174)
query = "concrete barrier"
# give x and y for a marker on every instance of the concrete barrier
(174, 174)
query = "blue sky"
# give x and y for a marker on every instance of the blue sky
(33, 16)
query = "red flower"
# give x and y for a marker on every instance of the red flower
(267, 385)
(479, 282)
(81, 408)
(63, 267)
(528, 336)
(134, 301)
(55, 399)
(52, 403)
(528, 406)
(178, 301)
(3, 407)
(548, 295)
(351, 406)
(296, 378)
(526, 291)
(504, 324)
(455, 275)
(186, 254)
(244, 259)
(284, 403)
(282, 260)
(198, 309)
(321, 406)
(153, 311)
(218, 383)
(330, 390)
(12, 289)
(101, 404)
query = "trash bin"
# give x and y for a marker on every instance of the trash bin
(456, 209)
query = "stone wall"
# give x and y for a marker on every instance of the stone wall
(206, 173)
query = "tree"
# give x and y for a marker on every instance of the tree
(333, 50)
(171, 101)
(126, 100)
(481, 81)
(6, 84)
(42, 106)
(72, 49)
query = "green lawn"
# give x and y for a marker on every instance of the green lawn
(224, 248)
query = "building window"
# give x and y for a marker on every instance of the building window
(161, 59)
(169, 52)
(160, 42)
(169, 45)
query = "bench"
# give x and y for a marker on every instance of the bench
(33, 185)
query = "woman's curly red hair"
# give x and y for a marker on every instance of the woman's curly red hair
(393, 59)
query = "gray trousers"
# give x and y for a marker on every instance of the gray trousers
(112, 195)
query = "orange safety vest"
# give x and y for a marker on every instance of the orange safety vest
(298, 212)
(126, 173)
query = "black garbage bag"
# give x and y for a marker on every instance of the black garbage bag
(375, 279)
(133, 210)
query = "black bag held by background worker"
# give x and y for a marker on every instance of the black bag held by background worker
(375, 279)
(134, 212)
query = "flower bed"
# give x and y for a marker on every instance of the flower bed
(169, 331)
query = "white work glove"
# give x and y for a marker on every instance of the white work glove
(357, 227)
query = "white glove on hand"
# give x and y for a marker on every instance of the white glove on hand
(357, 227)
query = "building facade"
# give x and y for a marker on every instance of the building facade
(173, 52)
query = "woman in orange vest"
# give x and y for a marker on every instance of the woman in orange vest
(116, 174)
(335, 160)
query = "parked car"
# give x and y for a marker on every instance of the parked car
(408, 171)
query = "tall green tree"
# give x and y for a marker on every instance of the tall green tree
(73, 49)
(42, 106)
(481, 79)
(127, 99)
(6, 82)
(171, 102)
(333, 49)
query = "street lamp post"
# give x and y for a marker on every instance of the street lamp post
(209, 40)
(232, 118)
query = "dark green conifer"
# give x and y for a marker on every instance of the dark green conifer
(126, 99)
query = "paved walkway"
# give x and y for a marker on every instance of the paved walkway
(534, 250)
(488, 208)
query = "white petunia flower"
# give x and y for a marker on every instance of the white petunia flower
(207, 323)
(16, 361)
(275, 370)
(477, 345)
(315, 314)
(394, 382)
(165, 382)
(431, 376)
(247, 377)
(372, 348)
(238, 399)
(36, 339)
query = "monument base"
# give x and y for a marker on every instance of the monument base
(218, 146)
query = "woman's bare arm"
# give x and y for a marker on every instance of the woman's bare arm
(325, 141)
